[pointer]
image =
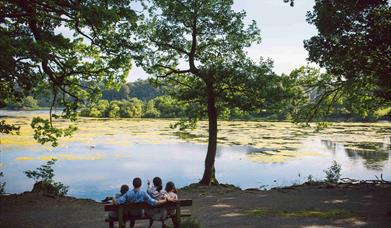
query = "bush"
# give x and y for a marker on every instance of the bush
(114, 109)
(2, 185)
(103, 107)
(43, 176)
(132, 108)
(333, 173)
(94, 112)
(150, 110)
(28, 103)
(85, 111)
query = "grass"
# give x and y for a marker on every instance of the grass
(325, 214)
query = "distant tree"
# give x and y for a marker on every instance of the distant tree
(150, 110)
(95, 112)
(353, 45)
(210, 38)
(25, 103)
(116, 94)
(143, 90)
(36, 55)
(114, 111)
(132, 108)
(315, 96)
(30, 103)
(169, 107)
(103, 107)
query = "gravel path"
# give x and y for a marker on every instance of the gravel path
(303, 206)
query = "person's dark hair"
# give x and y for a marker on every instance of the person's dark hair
(124, 189)
(170, 187)
(157, 182)
(137, 182)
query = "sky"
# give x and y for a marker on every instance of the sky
(283, 30)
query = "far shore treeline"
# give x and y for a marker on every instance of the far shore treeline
(140, 99)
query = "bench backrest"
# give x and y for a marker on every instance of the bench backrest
(180, 203)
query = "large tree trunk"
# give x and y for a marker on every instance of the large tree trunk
(209, 172)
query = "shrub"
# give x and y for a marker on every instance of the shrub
(2, 185)
(150, 110)
(333, 173)
(45, 174)
(114, 111)
(132, 108)
(94, 112)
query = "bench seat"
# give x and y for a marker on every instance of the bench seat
(121, 209)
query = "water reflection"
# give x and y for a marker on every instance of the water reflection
(107, 153)
(372, 159)
(374, 154)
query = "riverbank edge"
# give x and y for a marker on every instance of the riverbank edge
(231, 188)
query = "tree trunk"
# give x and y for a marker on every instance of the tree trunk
(209, 172)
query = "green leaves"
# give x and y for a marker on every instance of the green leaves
(353, 43)
(45, 174)
(322, 96)
(44, 131)
(72, 48)
(333, 173)
(8, 128)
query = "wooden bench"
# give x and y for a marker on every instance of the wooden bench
(123, 209)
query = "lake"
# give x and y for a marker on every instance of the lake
(106, 153)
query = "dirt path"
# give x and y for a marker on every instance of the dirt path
(305, 206)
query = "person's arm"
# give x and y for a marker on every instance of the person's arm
(172, 196)
(165, 200)
(120, 200)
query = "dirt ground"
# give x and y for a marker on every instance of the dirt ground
(223, 206)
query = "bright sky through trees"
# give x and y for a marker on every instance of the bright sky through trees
(283, 29)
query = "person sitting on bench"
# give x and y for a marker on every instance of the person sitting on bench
(136, 195)
(124, 189)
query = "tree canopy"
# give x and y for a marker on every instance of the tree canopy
(353, 44)
(198, 49)
(69, 47)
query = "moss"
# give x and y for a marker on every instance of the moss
(281, 140)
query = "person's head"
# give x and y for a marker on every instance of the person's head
(124, 189)
(157, 182)
(137, 182)
(170, 187)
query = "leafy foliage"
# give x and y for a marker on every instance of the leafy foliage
(333, 173)
(45, 173)
(197, 50)
(44, 132)
(71, 48)
(8, 128)
(318, 97)
(2, 185)
(28, 103)
(353, 45)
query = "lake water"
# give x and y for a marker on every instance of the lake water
(104, 154)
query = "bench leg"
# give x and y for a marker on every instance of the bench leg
(150, 223)
(177, 218)
(121, 222)
(132, 223)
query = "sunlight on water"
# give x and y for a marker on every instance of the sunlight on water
(106, 153)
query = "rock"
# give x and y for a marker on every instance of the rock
(44, 188)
